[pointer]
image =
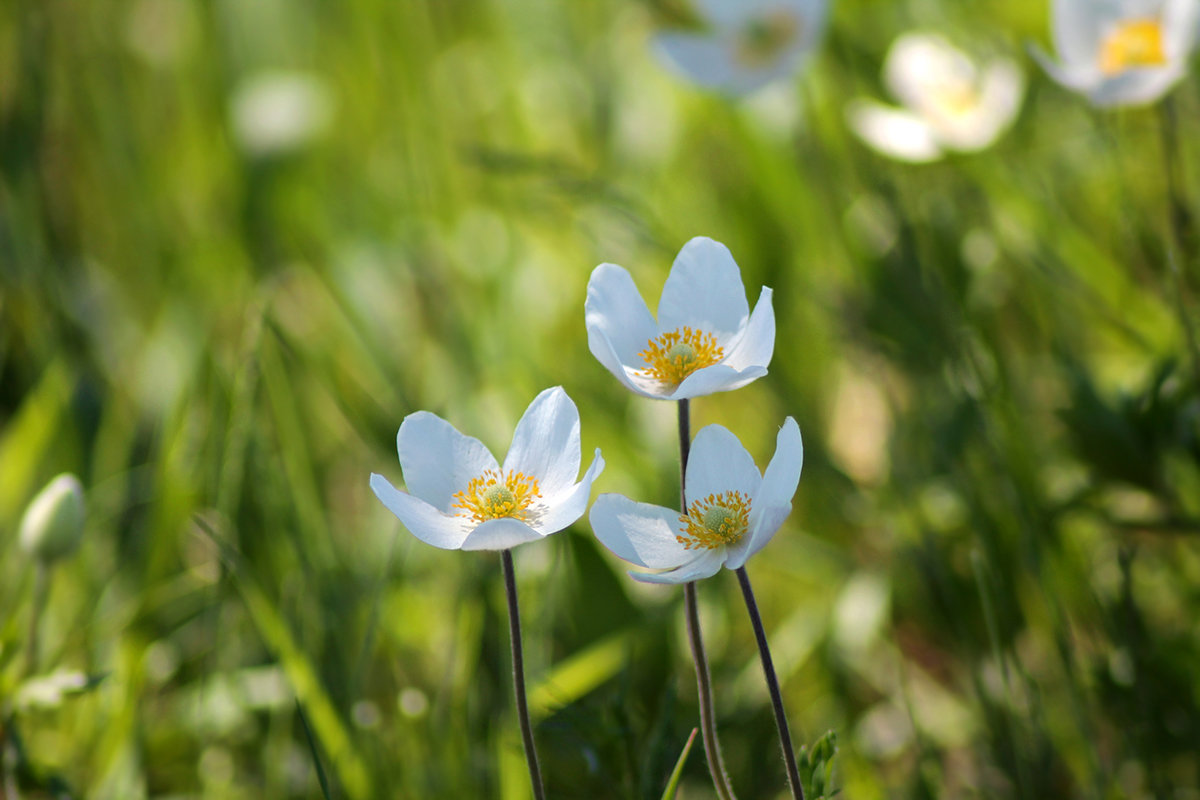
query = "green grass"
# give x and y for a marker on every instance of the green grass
(987, 587)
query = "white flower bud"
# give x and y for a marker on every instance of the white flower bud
(53, 522)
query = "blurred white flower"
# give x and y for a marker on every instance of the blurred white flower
(460, 498)
(53, 521)
(1121, 52)
(705, 339)
(949, 102)
(735, 510)
(746, 43)
(274, 112)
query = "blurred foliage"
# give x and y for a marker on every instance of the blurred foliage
(240, 241)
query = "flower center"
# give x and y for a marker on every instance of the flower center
(762, 40)
(494, 495)
(673, 356)
(1132, 43)
(716, 521)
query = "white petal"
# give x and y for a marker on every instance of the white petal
(757, 343)
(1180, 19)
(1079, 76)
(568, 505)
(704, 290)
(718, 463)
(422, 520)
(615, 308)
(1077, 26)
(717, 378)
(437, 460)
(702, 566)
(629, 375)
(895, 133)
(500, 534)
(545, 444)
(773, 502)
(919, 66)
(709, 60)
(639, 533)
(1136, 87)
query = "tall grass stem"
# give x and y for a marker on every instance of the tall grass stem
(1177, 224)
(764, 652)
(518, 664)
(41, 590)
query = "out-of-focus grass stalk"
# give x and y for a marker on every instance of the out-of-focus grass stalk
(708, 717)
(1177, 222)
(41, 590)
(764, 652)
(518, 665)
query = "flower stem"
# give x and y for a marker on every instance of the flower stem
(785, 737)
(41, 589)
(708, 717)
(1178, 218)
(518, 662)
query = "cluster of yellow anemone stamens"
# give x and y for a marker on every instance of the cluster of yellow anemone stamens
(495, 495)
(674, 355)
(717, 520)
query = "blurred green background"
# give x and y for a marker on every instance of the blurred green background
(240, 241)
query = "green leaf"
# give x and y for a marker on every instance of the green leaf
(677, 773)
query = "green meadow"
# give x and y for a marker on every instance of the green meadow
(216, 312)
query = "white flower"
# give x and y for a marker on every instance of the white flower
(734, 511)
(705, 339)
(460, 498)
(747, 44)
(276, 112)
(949, 102)
(1121, 52)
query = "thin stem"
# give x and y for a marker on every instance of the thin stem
(518, 662)
(785, 737)
(708, 717)
(41, 589)
(1177, 215)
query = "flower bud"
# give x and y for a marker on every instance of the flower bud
(53, 522)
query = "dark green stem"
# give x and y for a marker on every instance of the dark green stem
(708, 717)
(1178, 219)
(518, 662)
(785, 736)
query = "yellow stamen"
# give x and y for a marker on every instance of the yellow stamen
(1132, 43)
(763, 39)
(673, 356)
(494, 495)
(718, 520)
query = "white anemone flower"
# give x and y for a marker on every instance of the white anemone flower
(705, 340)
(1121, 52)
(460, 498)
(949, 102)
(734, 513)
(747, 43)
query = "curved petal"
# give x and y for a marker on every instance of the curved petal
(639, 533)
(568, 505)
(1077, 26)
(1078, 76)
(773, 502)
(420, 518)
(757, 342)
(545, 444)
(1136, 87)
(718, 463)
(615, 308)
(894, 133)
(717, 378)
(704, 290)
(702, 566)
(602, 349)
(500, 534)
(437, 460)
(999, 99)
(1180, 19)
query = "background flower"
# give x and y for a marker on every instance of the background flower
(747, 44)
(705, 340)
(459, 497)
(949, 102)
(733, 510)
(1126, 52)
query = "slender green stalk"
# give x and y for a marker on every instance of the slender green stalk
(41, 589)
(785, 736)
(1178, 217)
(708, 717)
(518, 662)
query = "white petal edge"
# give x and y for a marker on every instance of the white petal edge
(707, 564)
(420, 518)
(718, 463)
(1136, 87)
(500, 534)
(773, 502)
(569, 504)
(756, 345)
(704, 290)
(437, 460)
(615, 307)
(545, 443)
(893, 132)
(640, 533)
(717, 378)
